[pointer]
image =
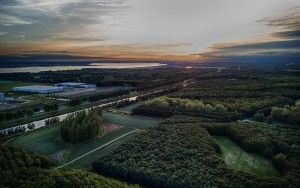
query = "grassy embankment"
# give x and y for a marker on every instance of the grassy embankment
(239, 159)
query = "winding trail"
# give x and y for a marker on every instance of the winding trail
(100, 147)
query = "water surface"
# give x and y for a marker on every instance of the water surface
(92, 65)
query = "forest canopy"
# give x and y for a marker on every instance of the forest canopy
(20, 169)
(178, 155)
(287, 114)
(81, 126)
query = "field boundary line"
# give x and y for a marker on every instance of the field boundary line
(100, 147)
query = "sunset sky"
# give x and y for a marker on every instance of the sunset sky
(192, 30)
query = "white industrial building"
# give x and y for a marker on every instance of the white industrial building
(75, 85)
(38, 89)
(2, 96)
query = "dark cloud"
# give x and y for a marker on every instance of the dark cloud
(263, 58)
(81, 39)
(8, 3)
(287, 44)
(290, 21)
(294, 34)
(284, 48)
(274, 51)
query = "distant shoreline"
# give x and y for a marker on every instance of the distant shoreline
(36, 69)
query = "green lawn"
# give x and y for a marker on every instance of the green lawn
(130, 107)
(239, 159)
(47, 140)
(139, 122)
(44, 141)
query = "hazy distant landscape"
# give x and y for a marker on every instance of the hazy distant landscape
(63, 68)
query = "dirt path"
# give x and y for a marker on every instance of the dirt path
(100, 147)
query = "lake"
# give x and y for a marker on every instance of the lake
(90, 66)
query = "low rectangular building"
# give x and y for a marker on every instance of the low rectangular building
(2, 96)
(38, 89)
(75, 85)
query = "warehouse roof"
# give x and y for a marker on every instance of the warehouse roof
(38, 89)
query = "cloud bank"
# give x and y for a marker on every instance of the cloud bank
(190, 30)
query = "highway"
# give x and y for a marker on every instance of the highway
(41, 123)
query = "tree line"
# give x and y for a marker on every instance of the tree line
(15, 114)
(166, 106)
(21, 169)
(245, 96)
(287, 114)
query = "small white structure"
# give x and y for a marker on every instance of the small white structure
(38, 89)
(75, 85)
(2, 96)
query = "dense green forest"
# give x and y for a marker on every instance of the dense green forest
(185, 155)
(27, 110)
(81, 126)
(257, 110)
(20, 169)
(276, 142)
(183, 104)
(166, 106)
(166, 156)
(287, 114)
(229, 97)
(245, 95)
(15, 114)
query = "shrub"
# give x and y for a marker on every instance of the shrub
(31, 126)
(280, 161)
(259, 117)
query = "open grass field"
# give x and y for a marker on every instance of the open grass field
(44, 141)
(139, 122)
(47, 141)
(239, 159)
(130, 107)
(6, 85)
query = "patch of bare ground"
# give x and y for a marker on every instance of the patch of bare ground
(109, 128)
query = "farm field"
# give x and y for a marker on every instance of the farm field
(239, 159)
(47, 141)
